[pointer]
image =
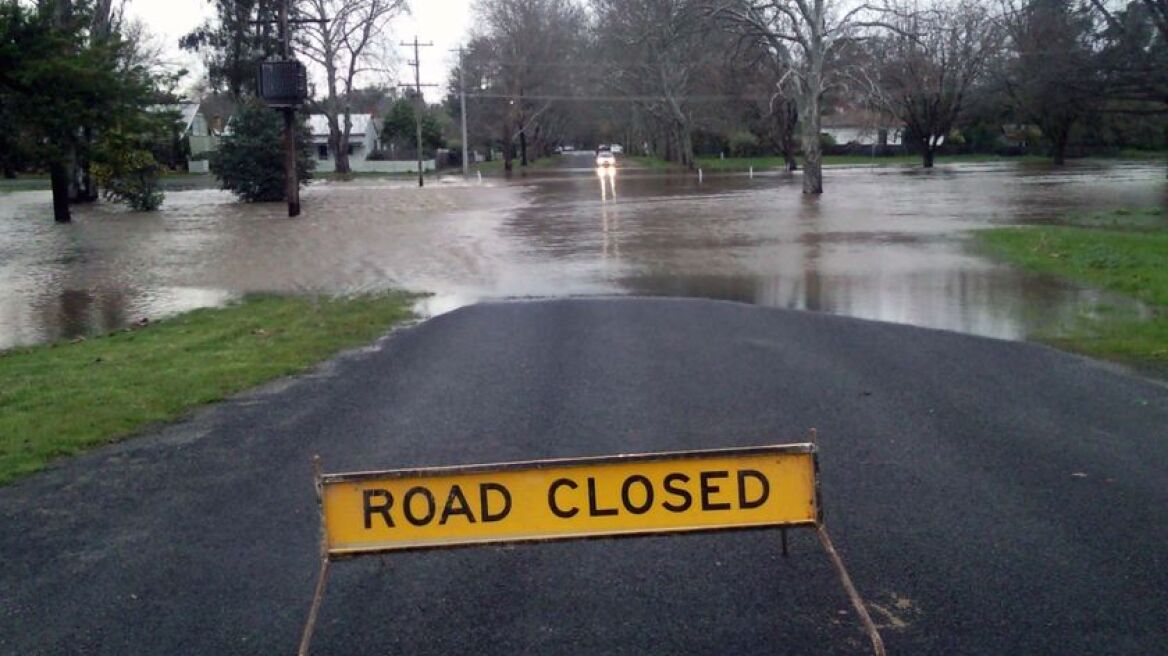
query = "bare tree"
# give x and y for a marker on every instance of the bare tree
(655, 51)
(758, 82)
(923, 71)
(1156, 10)
(342, 44)
(805, 37)
(532, 44)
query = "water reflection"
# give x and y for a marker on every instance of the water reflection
(609, 218)
(885, 244)
(607, 177)
(71, 313)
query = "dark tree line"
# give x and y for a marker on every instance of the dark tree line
(678, 78)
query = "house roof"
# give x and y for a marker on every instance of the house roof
(361, 124)
(186, 111)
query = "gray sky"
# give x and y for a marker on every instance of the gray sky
(445, 23)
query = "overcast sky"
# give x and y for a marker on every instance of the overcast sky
(445, 23)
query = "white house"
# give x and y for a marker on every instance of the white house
(194, 128)
(364, 139)
(860, 127)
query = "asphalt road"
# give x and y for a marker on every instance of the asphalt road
(988, 497)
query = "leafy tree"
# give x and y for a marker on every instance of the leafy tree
(250, 160)
(400, 129)
(432, 138)
(66, 87)
(399, 123)
(243, 34)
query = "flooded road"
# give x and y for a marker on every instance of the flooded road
(882, 243)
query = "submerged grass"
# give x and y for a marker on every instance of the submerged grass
(58, 399)
(770, 163)
(1124, 252)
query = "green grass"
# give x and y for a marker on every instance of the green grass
(58, 399)
(652, 163)
(495, 166)
(1129, 256)
(171, 181)
(24, 183)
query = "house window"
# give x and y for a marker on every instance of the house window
(322, 151)
(353, 148)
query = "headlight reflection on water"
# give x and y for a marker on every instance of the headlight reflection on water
(607, 177)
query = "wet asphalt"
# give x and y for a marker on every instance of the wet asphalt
(989, 497)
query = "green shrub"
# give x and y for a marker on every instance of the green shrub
(127, 173)
(250, 160)
(743, 144)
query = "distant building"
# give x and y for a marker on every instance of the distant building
(195, 131)
(363, 140)
(861, 127)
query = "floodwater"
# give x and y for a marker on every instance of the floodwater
(882, 243)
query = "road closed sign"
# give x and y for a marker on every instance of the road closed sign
(370, 512)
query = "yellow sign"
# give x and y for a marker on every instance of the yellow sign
(561, 499)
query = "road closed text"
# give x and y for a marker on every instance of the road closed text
(410, 509)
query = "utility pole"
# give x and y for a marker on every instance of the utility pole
(420, 104)
(462, 101)
(291, 182)
(286, 89)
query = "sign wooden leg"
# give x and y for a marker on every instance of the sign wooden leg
(317, 598)
(857, 601)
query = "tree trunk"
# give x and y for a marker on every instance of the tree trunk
(342, 163)
(812, 153)
(79, 183)
(59, 172)
(787, 118)
(1061, 137)
(523, 146)
(72, 174)
(339, 145)
(86, 185)
(685, 142)
(508, 148)
(928, 153)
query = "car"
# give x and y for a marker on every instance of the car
(616, 149)
(605, 158)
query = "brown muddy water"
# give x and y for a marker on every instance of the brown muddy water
(882, 243)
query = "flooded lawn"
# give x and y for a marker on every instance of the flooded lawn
(886, 244)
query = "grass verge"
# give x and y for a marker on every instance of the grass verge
(495, 166)
(1128, 256)
(170, 181)
(58, 399)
